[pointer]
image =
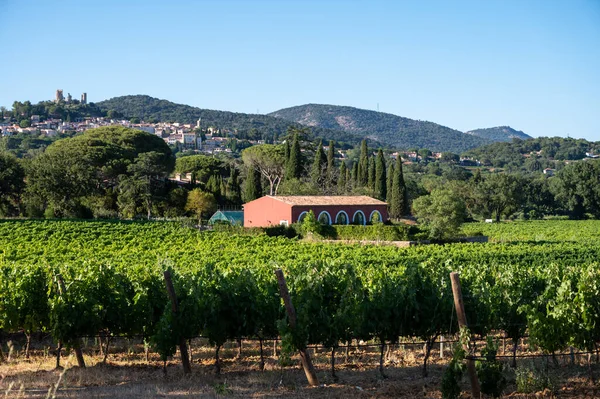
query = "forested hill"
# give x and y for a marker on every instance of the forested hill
(500, 133)
(156, 110)
(392, 130)
(538, 153)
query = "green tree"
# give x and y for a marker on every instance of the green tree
(319, 166)
(342, 179)
(252, 185)
(399, 203)
(12, 184)
(380, 178)
(72, 171)
(363, 164)
(577, 187)
(441, 212)
(293, 169)
(25, 123)
(355, 175)
(450, 157)
(202, 167)
(389, 182)
(499, 194)
(234, 192)
(269, 161)
(371, 177)
(145, 182)
(200, 204)
(331, 163)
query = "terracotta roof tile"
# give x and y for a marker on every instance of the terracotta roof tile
(315, 200)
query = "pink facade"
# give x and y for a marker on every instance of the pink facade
(266, 211)
(269, 211)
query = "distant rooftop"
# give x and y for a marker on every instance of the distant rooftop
(314, 200)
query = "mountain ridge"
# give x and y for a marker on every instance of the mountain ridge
(389, 129)
(151, 108)
(500, 133)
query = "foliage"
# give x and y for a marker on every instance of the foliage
(500, 133)
(93, 165)
(227, 289)
(441, 213)
(200, 203)
(399, 199)
(269, 161)
(453, 374)
(12, 183)
(489, 370)
(547, 150)
(577, 186)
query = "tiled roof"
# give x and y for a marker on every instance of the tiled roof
(315, 200)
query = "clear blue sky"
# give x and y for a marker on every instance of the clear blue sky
(533, 65)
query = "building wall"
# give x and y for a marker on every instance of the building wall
(333, 210)
(266, 211)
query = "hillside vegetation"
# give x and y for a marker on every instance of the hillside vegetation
(156, 110)
(391, 130)
(499, 133)
(534, 154)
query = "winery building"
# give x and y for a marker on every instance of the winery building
(287, 209)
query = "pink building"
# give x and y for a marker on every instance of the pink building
(288, 209)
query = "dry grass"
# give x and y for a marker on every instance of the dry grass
(128, 375)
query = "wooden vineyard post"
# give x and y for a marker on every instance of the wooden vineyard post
(462, 322)
(307, 365)
(77, 342)
(185, 360)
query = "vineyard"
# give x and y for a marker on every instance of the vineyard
(74, 279)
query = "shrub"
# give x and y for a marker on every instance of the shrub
(531, 379)
(489, 371)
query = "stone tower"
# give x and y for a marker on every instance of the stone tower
(59, 96)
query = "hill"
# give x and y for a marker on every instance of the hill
(392, 130)
(500, 133)
(524, 153)
(153, 109)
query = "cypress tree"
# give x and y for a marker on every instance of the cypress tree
(355, 178)
(342, 179)
(252, 186)
(388, 185)
(371, 180)
(293, 168)
(330, 163)
(287, 151)
(234, 191)
(380, 181)
(398, 206)
(348, 177)
(363, 164)
(316, 173)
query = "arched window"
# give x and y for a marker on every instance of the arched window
(302, 216)
(359, 218)
(342, 218)
(324, 217)
(375, 217)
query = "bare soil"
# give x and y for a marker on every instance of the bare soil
(127, 374)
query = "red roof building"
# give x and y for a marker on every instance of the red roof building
(288, 209)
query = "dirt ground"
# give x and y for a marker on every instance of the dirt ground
(127, 374)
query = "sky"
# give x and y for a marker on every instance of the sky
(532, 65)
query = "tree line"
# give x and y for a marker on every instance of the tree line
(116, 172)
